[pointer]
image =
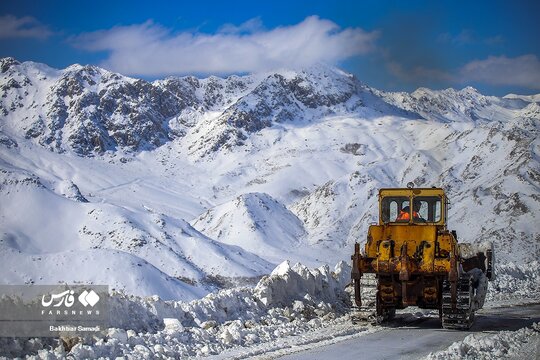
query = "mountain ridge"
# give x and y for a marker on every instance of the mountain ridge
(89, 158)
(85, 108)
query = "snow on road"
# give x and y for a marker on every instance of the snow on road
(424, 337)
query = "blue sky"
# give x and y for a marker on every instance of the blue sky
(391, 45)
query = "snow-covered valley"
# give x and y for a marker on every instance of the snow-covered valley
(181, 187)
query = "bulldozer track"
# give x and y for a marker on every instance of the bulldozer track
(461, 316)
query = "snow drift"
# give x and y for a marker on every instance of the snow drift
(288, 301)
(521, 344)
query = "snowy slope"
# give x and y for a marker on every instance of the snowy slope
(266, 167)
(141, 252)
(255, 222)
(489, 170)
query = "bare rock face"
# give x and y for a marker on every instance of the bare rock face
(7, 141)
(86, 109)
(6, 63)
(279, 98)
(71, 191)
(98, 111)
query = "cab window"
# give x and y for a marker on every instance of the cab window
(392, 206)
(427, 209)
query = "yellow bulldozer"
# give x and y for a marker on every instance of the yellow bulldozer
(411, 259)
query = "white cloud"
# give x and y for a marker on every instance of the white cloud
(500, 70)
(152, 50)
(23, 27)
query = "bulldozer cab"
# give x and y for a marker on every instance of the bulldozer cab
(412, 206)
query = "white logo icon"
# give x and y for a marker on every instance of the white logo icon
(65, 298)
(89, 298)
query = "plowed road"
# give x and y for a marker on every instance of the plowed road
(419, 338)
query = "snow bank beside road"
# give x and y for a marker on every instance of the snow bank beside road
(515, 282)
(521, 344)
(291, 300)
(286, 286)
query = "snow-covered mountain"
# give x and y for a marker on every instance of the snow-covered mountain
(268, 228)
(89, 110)
(108, 171)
